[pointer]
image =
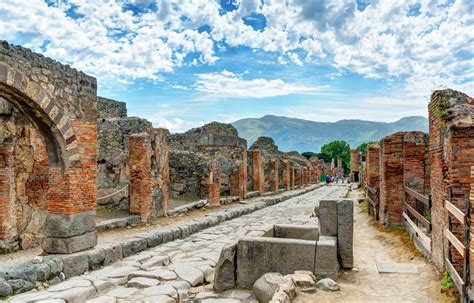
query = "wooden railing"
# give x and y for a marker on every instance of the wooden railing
(413, 219)
(373, 203)
(461, 247)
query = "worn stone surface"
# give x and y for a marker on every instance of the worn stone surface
(327, 214)
(327, 284)
(259, 255)
(225, 270)
(266, 286)
(326, 263)
(345, 232)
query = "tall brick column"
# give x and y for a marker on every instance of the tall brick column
(274, 174)
(293, 177)
(355, 166)
(258, 175)
(372, 164)
(451, 151)
(149, 174)
(243, 176)
(214, 184)
(391, 179)
(416, 161)
(286, 174)
(7, 212)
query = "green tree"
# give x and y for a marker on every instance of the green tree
(363, 147)
(338, 149)
(308, 155)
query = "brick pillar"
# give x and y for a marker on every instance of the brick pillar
(293, 177)
(391, 180)
(451, 148)
(372, 164)
(416, 162)
(243, 176)
(7, 210)
(214, 185)
(258, 176)
(286, 174)
(149, 174)
(355, 166)
(275, 180)
(72, 191)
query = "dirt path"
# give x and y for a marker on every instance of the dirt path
(373, 244)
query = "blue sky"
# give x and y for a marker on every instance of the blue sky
(181, 64)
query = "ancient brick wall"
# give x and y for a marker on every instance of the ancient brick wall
(213, 141)
(416, 161)
(355, 166)
(149, 177)
(391, 179)
(286, 174)
(451, 117)
(372, 164)
(61, 104)
(238, 179)
(112, 158)
(258, 177)
(108, 108)
(214, 184)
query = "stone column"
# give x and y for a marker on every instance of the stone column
(293, 177)
(214, 185)
(243, 176)
(258, 176)
(275, 179)
(355, 166)
(451, 146)
(149, 174)
(286, 174)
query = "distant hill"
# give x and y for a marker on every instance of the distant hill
(303, 135)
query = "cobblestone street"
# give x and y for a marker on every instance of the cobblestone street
(180, 270)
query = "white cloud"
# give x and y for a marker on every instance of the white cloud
(382, 41)
(232, 85)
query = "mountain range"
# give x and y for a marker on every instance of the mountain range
(303, 135)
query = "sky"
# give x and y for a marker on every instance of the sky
(183, 63)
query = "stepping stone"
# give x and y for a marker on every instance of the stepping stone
(396, 268)
(142, 282)
(190, 274)
(166, 290)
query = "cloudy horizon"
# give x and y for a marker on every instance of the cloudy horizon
(181, 64)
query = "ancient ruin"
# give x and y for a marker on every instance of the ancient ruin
(68, 158)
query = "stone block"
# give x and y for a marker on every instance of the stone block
(225, 270)
(133, 246)
(259, 255)
(302, 232)
(75, 264)
(66, 226)
(326, 264)
(69, 245)
(96, 258)
(112, 254)
(345, 228)
(327, 217)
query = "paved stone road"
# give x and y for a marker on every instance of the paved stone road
(177, 271)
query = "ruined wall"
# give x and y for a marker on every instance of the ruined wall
(391, 179)
(112, 159)
(188, 174)
(372, 165)
(355, 166)
(451, 119)
(23, 181)
(213, 141)
(108, 108)
(416, 161)
(149, 179)
(61, 104)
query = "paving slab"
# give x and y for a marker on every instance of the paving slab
(396, 268)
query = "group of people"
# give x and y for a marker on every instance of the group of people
(336, 179)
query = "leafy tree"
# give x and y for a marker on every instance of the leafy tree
(363, 147)
(308, 154)
(338, 149)
(325, 157)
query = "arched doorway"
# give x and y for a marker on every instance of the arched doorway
(60, 103)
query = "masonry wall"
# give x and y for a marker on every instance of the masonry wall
(391, 180)
(451, 148)
(149, 179)
(213, 141)
(355, 166)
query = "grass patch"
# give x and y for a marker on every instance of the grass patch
(446, 282)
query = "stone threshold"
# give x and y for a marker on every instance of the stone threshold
(42, 272)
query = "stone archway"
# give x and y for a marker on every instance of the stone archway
(61, 103)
